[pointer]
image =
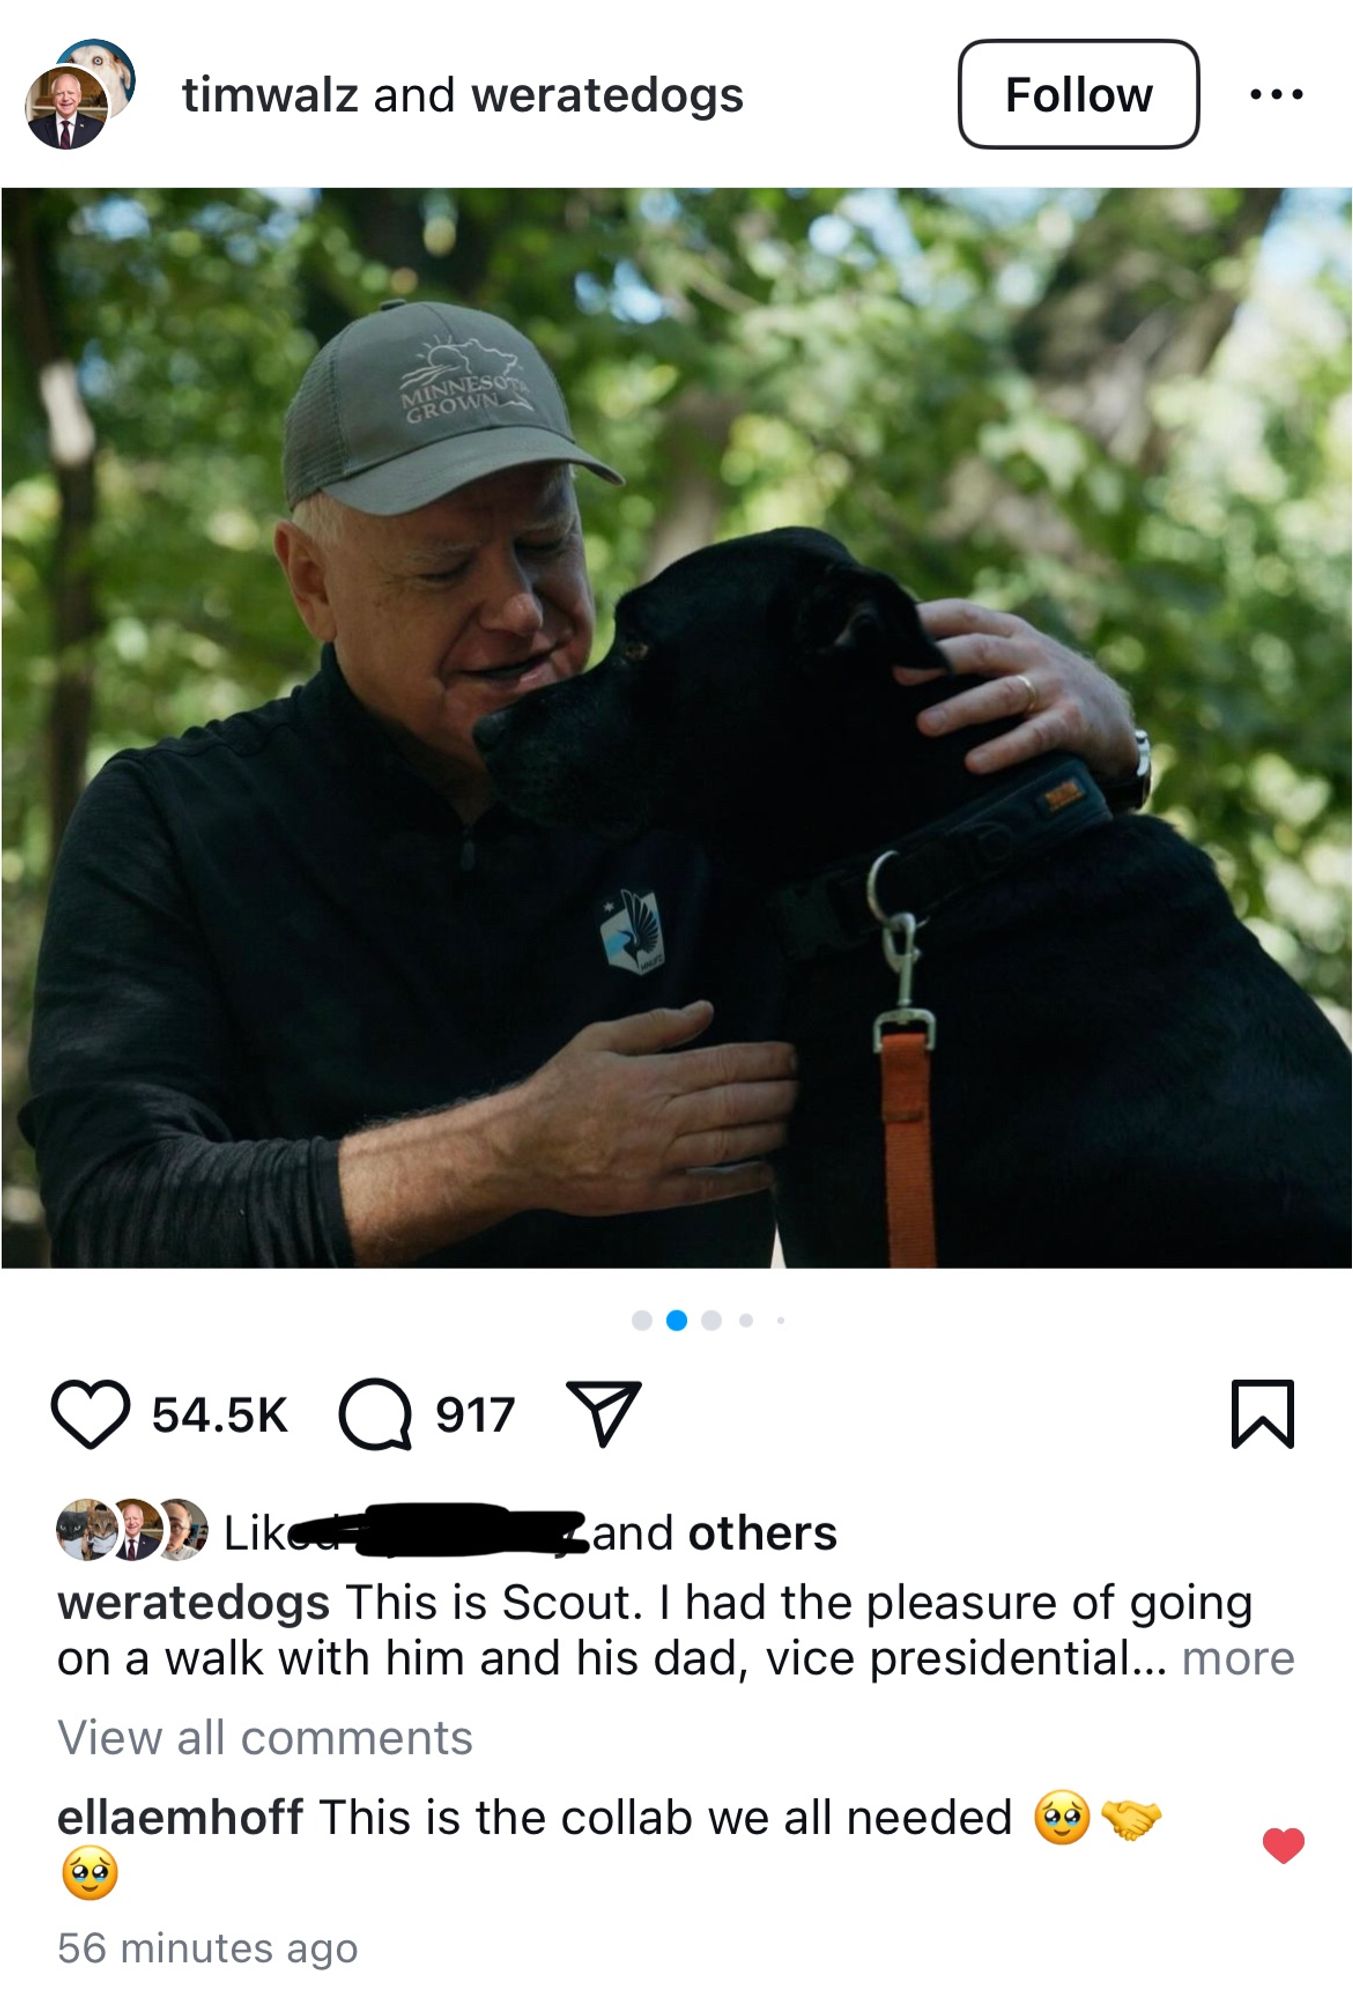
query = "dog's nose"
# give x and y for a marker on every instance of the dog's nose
(489, 731)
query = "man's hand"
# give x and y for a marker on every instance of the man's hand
(1073, 704)
(622, 1119)
(618, 1122)
(1129, 1820)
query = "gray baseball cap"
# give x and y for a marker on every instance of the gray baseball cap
(418, 399)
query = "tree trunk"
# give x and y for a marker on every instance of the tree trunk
(693, 443)
(71, 446)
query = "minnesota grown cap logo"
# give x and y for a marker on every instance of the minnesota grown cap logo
(632, 932)
(460, 378)
(419, 399)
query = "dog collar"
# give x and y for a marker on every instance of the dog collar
(1055, 800)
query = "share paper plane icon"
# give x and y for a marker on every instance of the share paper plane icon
(608, 1403)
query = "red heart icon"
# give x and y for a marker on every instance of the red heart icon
(1283, 1842)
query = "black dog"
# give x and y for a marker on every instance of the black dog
(1121, 1076)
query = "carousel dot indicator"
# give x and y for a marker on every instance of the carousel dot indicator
(710, 1321)
(676, 1319)
(642, 1321)
(744, 1319)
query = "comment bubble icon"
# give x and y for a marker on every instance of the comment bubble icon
(375, 1415)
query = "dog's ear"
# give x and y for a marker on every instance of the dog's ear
(859, 618)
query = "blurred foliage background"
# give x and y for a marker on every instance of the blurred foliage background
(1123, 413)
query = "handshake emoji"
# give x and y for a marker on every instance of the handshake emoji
(1128, 1819)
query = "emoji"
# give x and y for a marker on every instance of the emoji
(1284, 1842)
(1129, 1820)
(89, 1872)
(1061, 1817)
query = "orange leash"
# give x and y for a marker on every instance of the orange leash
(905, 1056)
(903, 1040)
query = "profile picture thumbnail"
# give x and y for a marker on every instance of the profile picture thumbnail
(185, 1530)
(87, 1529)
(108, 65)
(66, 107)
(142, 1530)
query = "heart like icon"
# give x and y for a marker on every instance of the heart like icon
(98, 1406)
(1283, 1842)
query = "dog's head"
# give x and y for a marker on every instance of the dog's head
(110, 70)
(739, 680)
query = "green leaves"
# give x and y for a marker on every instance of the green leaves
(1117, 413)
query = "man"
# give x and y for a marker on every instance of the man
(137, 1543)
(178, 1548)
(276, 942)
(66, 125)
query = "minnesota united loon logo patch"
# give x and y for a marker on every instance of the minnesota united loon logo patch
(631, 932)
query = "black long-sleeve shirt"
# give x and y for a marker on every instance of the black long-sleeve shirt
(271, 932)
